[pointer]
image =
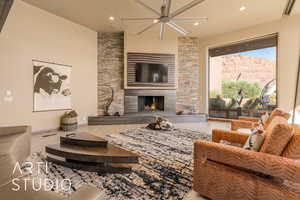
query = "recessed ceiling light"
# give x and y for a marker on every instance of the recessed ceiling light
(196, 23)
(243, 8)
(111, 18)
(155, 21)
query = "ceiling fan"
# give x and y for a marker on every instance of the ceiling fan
(165, 17)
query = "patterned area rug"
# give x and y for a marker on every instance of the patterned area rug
(164, 170)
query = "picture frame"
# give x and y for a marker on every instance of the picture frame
(51, 86)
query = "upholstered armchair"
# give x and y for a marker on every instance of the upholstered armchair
(232, 173)
(252, 122)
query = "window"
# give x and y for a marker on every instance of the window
(242, 78)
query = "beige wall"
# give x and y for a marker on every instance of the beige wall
(148, 44)
(31, 33)
(216, 68)
(288, 55)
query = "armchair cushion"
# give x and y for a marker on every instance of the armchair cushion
(278, 135)
(292, 150)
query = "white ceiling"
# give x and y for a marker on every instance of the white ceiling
(224, 15)
(296, 9)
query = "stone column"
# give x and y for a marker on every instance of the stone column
(188, 74)
(111, 71)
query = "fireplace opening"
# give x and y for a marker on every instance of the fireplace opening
(151, 103)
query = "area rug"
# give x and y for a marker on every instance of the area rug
(164, 170)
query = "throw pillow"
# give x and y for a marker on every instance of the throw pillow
(264, 118)
(254, 141)
(278, 135)
(275, 113)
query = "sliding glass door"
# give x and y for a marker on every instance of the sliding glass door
(242, 78)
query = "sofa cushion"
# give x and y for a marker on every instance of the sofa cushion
(278, 135)
(292, 150)
(275, 113)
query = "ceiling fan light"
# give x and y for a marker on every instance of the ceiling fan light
(111, 18)
(243, 8)
(196, 24)
(155, 21)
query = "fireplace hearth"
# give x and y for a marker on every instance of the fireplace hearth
(151, 103)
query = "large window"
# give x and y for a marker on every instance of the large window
(242, 78)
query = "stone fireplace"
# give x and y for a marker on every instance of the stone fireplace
(181, 92)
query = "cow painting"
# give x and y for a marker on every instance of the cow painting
(51, 86)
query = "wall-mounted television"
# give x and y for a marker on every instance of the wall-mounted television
(151, 73)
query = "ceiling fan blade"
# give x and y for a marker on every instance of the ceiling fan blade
(147, 28)
(191, 19)
(169, 7)
(148, 7)
(139, 19)
(162, 30)
(289, 7)
(177, 28)
(185, 8)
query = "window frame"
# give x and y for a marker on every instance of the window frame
(240, 42)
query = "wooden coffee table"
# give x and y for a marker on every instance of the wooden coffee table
(87, 152)
(83, 139)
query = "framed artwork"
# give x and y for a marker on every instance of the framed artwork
(51, 86)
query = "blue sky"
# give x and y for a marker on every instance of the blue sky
(268, 53)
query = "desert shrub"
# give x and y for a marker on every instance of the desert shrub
(230, 89)
(214, 94)
(231, 104)
(217, 103)
(248, 103)
(252, 103)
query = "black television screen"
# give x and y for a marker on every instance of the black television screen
(151, 73)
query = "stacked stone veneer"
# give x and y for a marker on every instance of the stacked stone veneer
(111, 71)
(188, 74)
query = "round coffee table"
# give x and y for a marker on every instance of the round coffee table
(85, 151)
